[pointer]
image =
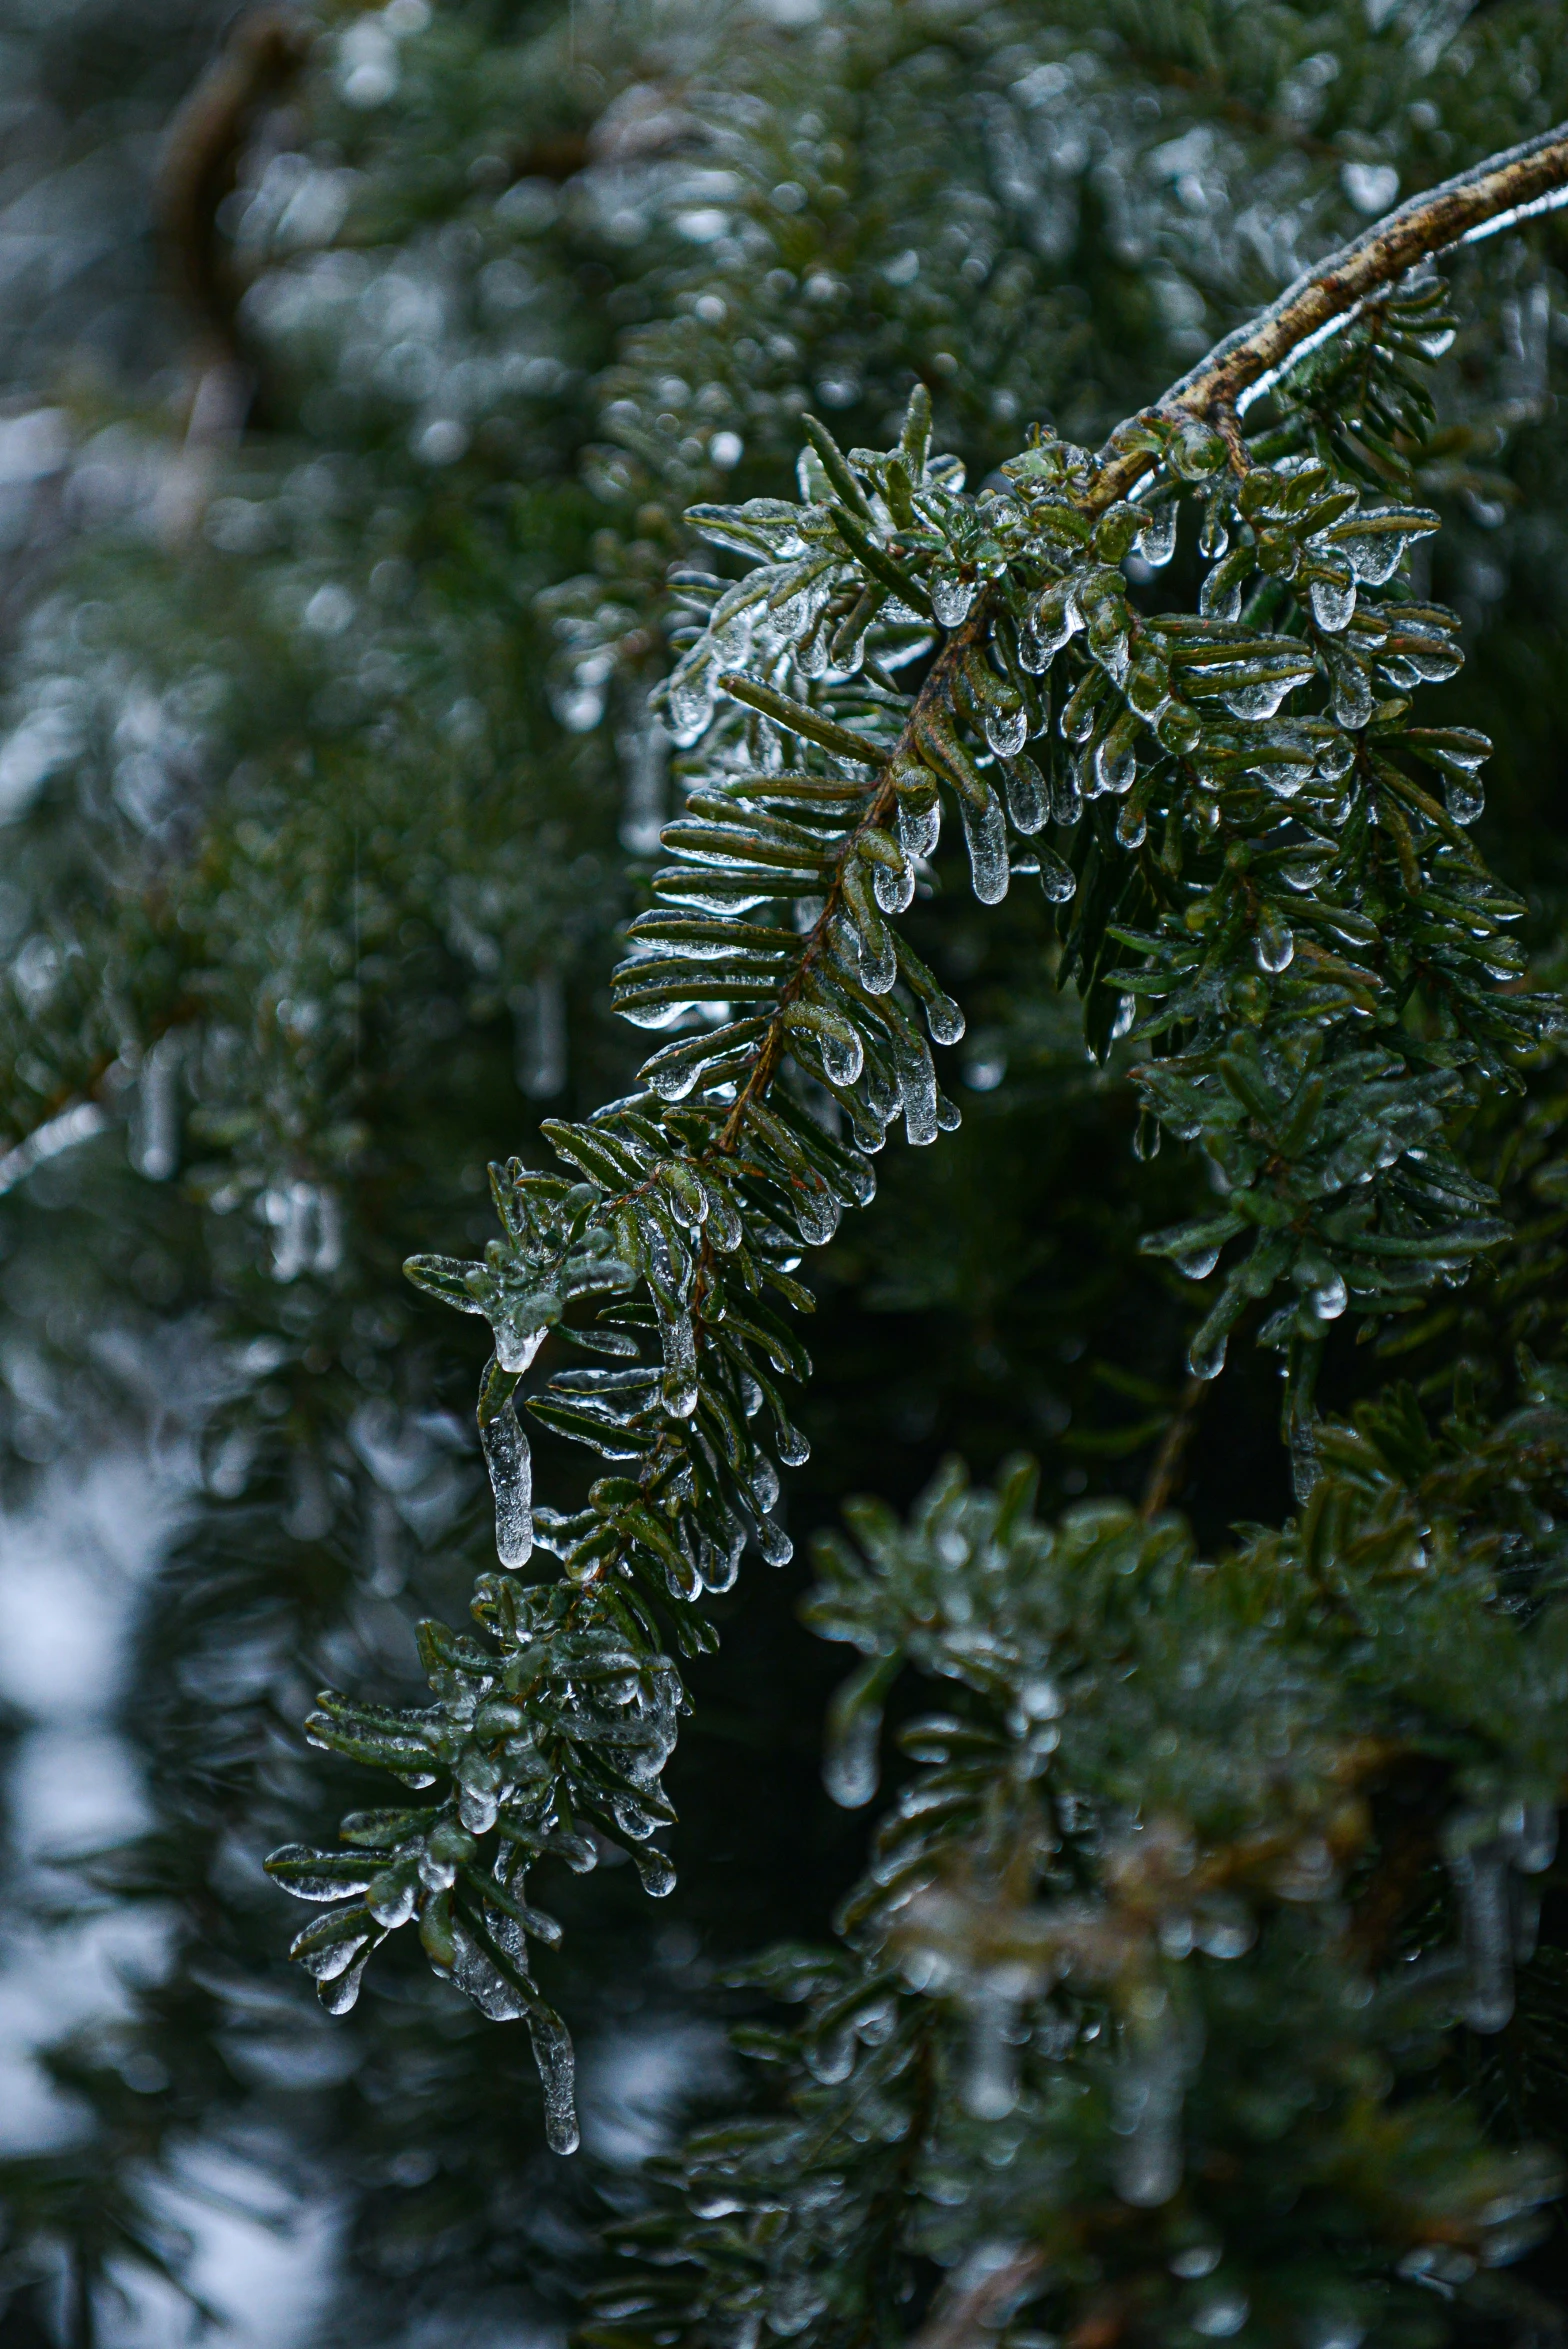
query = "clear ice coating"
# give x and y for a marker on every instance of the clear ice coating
(680, 1364)
(951, 599)
(1206, 1354)
(1132, 826)
(894, 887)
(985, 832)
(510, 1464)
(1146, 2114)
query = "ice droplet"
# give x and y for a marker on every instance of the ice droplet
(557, 2076)
(1196, 1264)
(843, 1054)
(850, 1763)
(1026, 796)
(1260, 700)
(917, 1091)
(1466, 797)
(1118, 772)
(1329, 1299)
(510, 1463)
(985, 831)
(1057, 878)
(340, 1994)
(1157, 543)
(951, 599)
(1480, 1876)
(1531, 1830)
(1132, 826)
(1333, 604)
(680, 1365)
(878, 961)
(1206, 1354)
(893, 887)
(1273, 944)
(919, 828)
(1006, 730)
(1352, 696)
(390, 1899)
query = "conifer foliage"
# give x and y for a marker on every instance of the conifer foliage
(1122, 2032)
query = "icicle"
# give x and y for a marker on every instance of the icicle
(1026, 796)
(989, 2088)
(510, 1463)
(552, 2051)
(155, 1118)
(645, 754)
(985, 832)
(1146, 2109)
(1480, 1875)
(1157, 541)
(539, 1016)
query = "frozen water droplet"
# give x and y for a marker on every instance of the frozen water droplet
(1206, 1354)
(341, 1993)
(657, 1871)
(1214, 536)
(1352, 696)
(830, 2057)
(1157, 542)
(679, 1387)
(878, 961)
(893, 888)
(774, 1543)
(945, 1020)
(1006, 730)
(951, 599)
(1117, 772)
(1260, 700)
(515, 1348)
(919, 828)
(850, 1765)
(390, 1899)
(558, 2077)
(1466, 797)
(1333, 604)
(510, 1464)
(843, 1054)
(1055, 618)
(1531, 1830)
(1329, 1299)
(1273, 945)
(1196, 1264)
(811, 658)
(985, 832)
(1026, 796)
(917, 1089)
(1057, 878)
(1220, 603)
(1132, 826)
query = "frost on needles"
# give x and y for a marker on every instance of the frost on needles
(1155, 1803)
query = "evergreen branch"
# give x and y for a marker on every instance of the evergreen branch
(1503, 188)
(1322, 1088)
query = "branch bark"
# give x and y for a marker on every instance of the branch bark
(1506, 184)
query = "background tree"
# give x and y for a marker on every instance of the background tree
(333, 774)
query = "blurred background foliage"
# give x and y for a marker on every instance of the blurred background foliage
(355, 368)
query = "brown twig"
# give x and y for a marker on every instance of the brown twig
(970, 2313)
(1165, 1468)
(1427, 225)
